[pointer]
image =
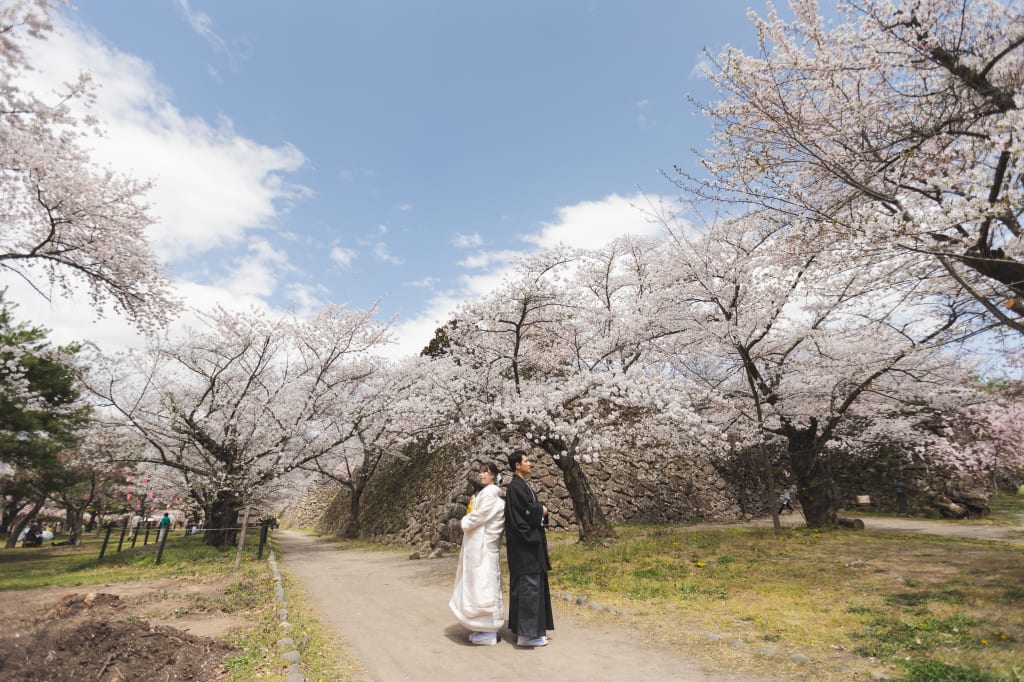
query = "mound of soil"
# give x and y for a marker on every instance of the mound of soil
(90, 637)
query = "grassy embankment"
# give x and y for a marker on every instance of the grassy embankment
(920, 607)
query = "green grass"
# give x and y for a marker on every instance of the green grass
(257, 643)
(878, 598)
(25, 568)
(933, 671)
(891, 636)
(1007, 508)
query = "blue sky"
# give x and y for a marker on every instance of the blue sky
(343, 152)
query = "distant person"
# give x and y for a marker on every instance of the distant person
(33, 537)
(134, 525)
(529, 609)
(477, 599)
(785, 502)
(165, 525)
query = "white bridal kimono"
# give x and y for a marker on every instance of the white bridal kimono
(476, 600)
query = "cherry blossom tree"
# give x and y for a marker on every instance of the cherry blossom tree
(556, 359)
(91, 480)
(66, 221)
(383, 415)
(240, 403)
(901, 125)
(987, 438)
(808, 345)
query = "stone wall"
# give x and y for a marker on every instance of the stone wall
(417, 500)
(895, 485)
(311, 507)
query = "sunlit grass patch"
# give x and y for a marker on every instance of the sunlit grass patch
(828, 594)
(256, 642)
(1007, 509)
(934, 671)
(26, 568)
(892, 637)
(948, 596)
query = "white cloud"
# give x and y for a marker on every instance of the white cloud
(588, 224)
(343, 256)
(73, 319)
(210, 184)
(256, 273)
(485, 259)
(349, 175)
(306, 299)
(702, 67)
(405, 208)
(383, 254)
(211, 188)
(414, 333)
(467, 241)
(69, 319)
(425, 283)
(642, 119)
(478, 286)
(592, 224)
(202, 24)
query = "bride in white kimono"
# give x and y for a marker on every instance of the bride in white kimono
(477, 601)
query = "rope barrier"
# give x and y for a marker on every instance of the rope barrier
(162, 533)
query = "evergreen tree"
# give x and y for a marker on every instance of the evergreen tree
(40, 416)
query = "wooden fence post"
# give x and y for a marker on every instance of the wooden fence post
(164, 532)
(106, 539)
(264, 530)
(241, 538)
(124, 530)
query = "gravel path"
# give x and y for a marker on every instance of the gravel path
(394, 613)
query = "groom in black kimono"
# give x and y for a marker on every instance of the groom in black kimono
(529, 608)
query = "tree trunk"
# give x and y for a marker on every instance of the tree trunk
(815, 485)
(75, 527)
(18, 526)
(593, 524)
(8, 512)
(351, 528)
(222, 521)
(72, 522)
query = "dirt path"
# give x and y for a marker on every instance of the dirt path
(394, 613)
(901, 524)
